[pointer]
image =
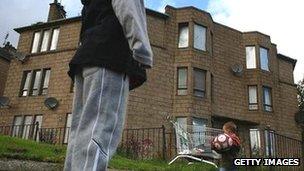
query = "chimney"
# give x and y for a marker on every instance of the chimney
(9, 47)
(56, 11)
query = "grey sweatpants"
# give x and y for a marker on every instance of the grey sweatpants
(98, 116)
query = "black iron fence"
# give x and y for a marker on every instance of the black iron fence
(34, 132)
(159, 142)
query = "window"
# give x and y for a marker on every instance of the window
(200, 37)
(48, 40)
(270, 143)
(38, 119)
(45, 81)
(250, 57)
(212, 88)
(267, 99)
(183, 38)
(182, 81)
(199, 130)
(253, 97)
(55, 39)
(67, 127)
(264, 59)
(34, 83)
(182, 121)
(17, 127)
(45, 40)
(27, 127)
(182, 141)
(199, 82)
(36, 42)
(255, 142)
(25, 83)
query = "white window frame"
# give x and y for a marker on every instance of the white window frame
(55, 38)
(36, 82)
(27, 126)
(199, 130)
(36, 42)
(45, 40)
(182, 86)
(264, 66)
(199, 91)
(253, 103)
(255, 141)
(270, 146)
(200, 37)
(251, 62)
(183, 35)
(68, 124)
(17, 126)
(268, 107)
(26, 82)
(45, 81)
(33, 85)
(39, 119)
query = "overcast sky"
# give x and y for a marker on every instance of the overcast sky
(281, 19)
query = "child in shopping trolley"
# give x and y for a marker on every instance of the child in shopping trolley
(226, 162)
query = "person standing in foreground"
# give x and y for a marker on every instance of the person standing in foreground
(112, 59)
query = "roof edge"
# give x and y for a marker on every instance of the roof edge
(43, 24)
(78, 18)
(190, 7)
(288, 59)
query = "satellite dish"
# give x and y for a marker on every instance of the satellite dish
(237, 70)
(4, 102)
(299, 117)
(19, 55)
(51, 103)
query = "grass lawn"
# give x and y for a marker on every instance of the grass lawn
(11, 147)
(16, 148)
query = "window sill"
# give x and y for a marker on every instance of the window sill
(201, 98)
(200, 51)
(50, 52)
(181, 94)
(268, 112)
(31, 96)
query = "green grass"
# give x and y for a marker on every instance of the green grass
(16, 148)
(11, 147)
(123, 163)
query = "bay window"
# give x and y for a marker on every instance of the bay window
(253, 97)
(183, 35)
(264, 59)
(250, 57)
(200, 37)
(182, 80)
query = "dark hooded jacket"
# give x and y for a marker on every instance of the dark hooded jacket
(103, 43)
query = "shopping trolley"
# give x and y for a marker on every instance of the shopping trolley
(194, 143)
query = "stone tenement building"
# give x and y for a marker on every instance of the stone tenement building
(204, 73)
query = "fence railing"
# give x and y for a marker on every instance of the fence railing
(33, 132)
(147, 143)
